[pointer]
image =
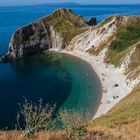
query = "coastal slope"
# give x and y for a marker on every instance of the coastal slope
(123, 121)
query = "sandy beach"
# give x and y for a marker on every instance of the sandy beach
(114, 83)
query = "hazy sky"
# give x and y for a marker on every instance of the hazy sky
(26, 2)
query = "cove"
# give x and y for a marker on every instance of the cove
(57, 78)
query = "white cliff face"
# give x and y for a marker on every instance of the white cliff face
(57, 40)
(127, 60)
(50, 40)
(102, 54)
(95, 37)
(133, 82)
(125, 69)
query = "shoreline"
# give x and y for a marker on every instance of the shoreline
(98, 80)
(113, 82)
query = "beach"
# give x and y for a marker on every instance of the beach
(114, 83)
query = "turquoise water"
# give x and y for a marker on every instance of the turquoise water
(57, 78)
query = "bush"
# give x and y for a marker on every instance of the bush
(35, 116)
(73, 123)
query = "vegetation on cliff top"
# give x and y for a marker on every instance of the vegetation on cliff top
(126, 36)
(38, 34)
(67, 23)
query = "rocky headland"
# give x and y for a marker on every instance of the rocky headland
(53, 31)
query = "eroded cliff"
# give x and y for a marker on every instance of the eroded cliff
(117, 36)
(53, 31)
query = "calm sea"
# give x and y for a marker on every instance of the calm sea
(56, 78)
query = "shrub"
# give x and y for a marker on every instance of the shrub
(73, 123)
(35, 116)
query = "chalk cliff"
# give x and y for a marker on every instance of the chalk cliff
(119, 37)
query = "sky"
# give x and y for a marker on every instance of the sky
(30, 2)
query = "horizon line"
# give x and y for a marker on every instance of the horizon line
(74, 3)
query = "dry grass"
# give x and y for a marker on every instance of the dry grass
(91, 135)
(10, 135)
(16, 135)
(126, 132)
(123, 121)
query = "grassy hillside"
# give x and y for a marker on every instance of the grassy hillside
(125, 112)
(123, 121)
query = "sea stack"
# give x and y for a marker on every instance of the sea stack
(92, 21)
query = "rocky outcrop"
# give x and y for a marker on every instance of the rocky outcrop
(30, 39)
(53, 31)
(92, 21)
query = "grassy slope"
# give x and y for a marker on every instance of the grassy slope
(125, 112)
(126, 36)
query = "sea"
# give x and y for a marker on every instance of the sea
(55, 78)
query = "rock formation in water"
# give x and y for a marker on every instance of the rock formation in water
(53, 31)
(92, 21)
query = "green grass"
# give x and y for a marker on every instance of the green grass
(126, 36)
(125, 112)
